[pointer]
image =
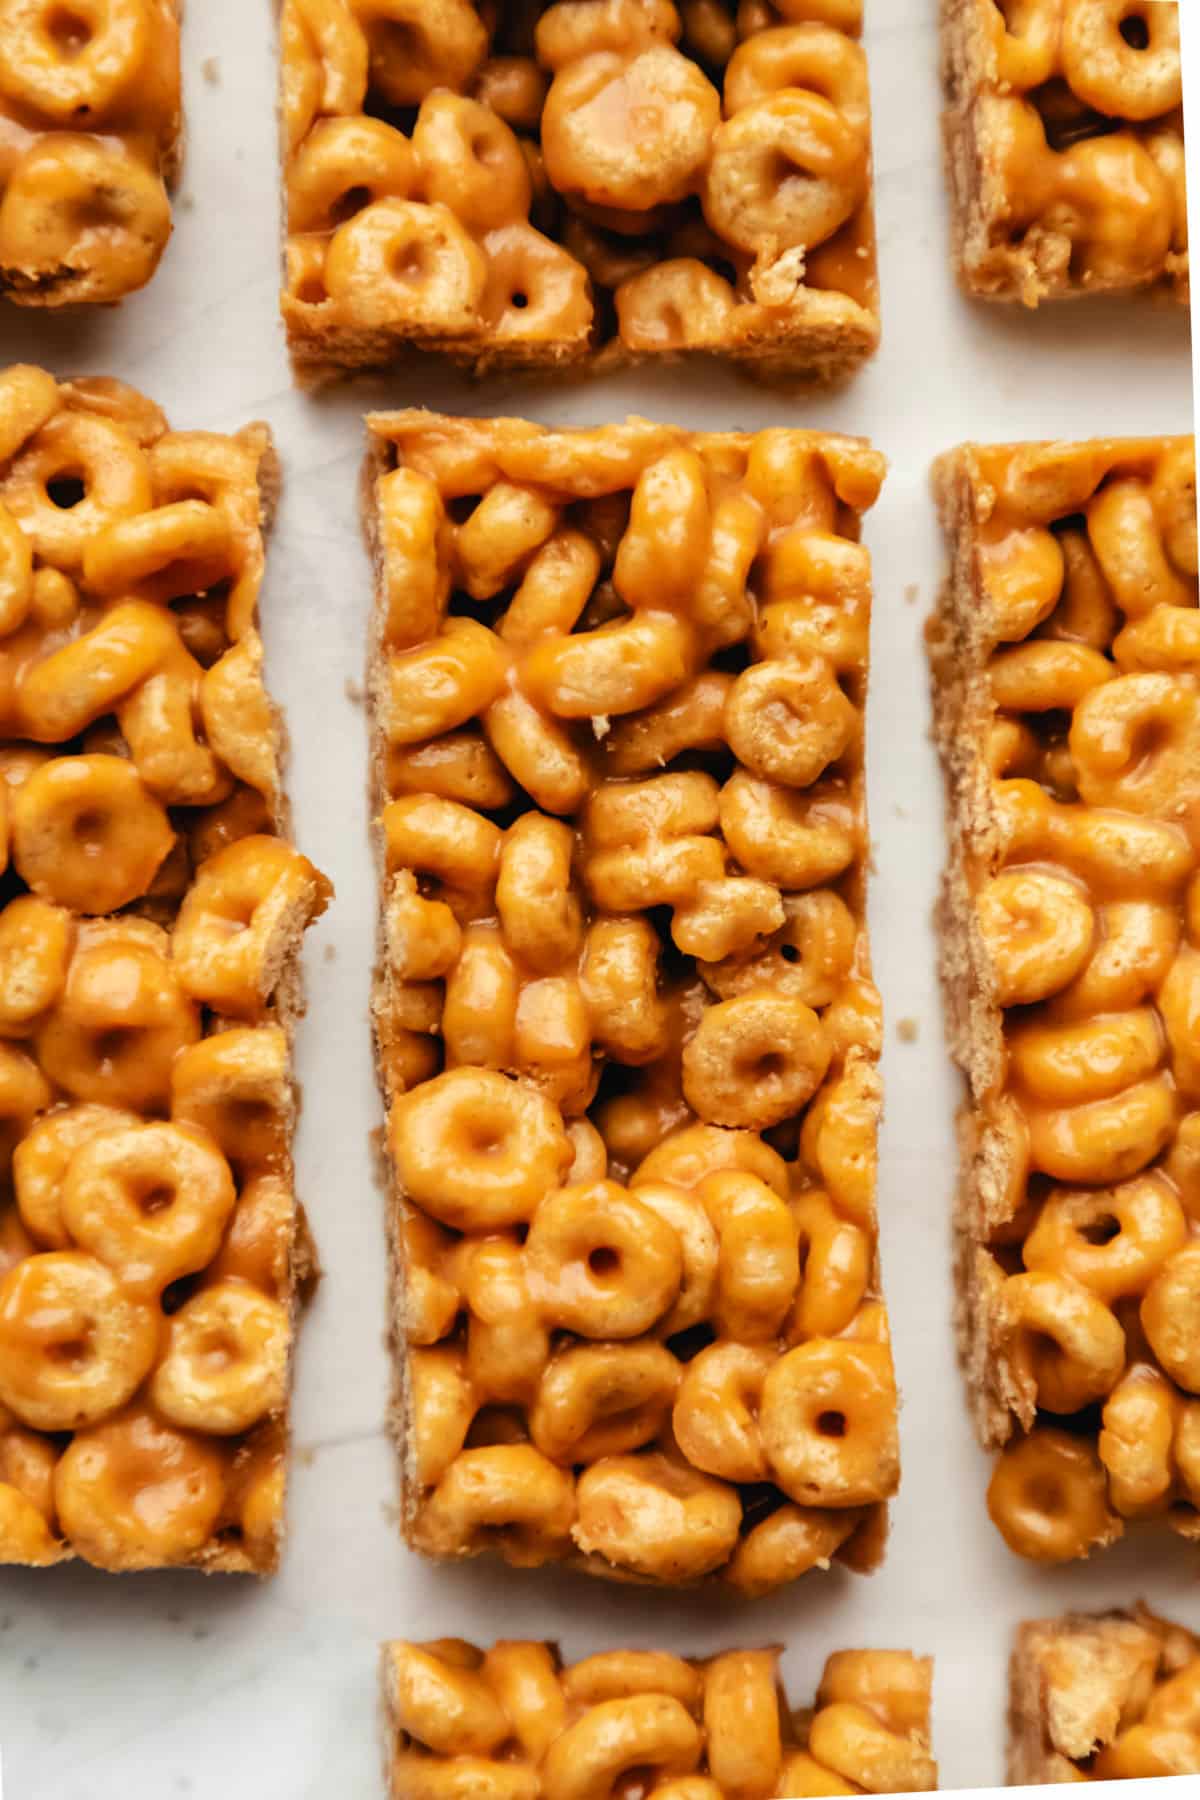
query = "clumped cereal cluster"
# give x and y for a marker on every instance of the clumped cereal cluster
(1064, 134)
(150, 911)
(1104, 1697)
(626, 1024)
(526, 184)
(1070, 699)
(90, 123)
(514, 1723)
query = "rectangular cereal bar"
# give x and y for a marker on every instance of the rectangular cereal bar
(516, 1723)
(91, 119)
(150, 917)
(524, 186)
(1064, 147)
(1103, 1697)
(1066, 651)
(626, 1027)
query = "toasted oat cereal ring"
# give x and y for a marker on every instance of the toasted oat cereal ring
(1109, 69)
(535, 289)
(651, 1732)
(240, 919)
(35, 947)
(401, 261)
(135, 1494)
(787, 1544)
(74, 1344)
(42, 1158)
(750, 202)
(629, 132)
(174, 550)
(1048, 1497)
(1170, 1314)
(225, 1362)
(505, 1494)
(754, 1060)
(655, 1515)
(471, 162)
(573, 28)
(73, 477)
(828, 1422)
(476, 1150)
(418, 45)
(87, 834)
(87, 213)
(597, 1400)
(151, 1200)
(344, 164)
(123, 1019)
(16, 574)
(601, 1263)
(236, 1086)
(787, 721)
(71, 63)
(1114, 1239)
(28, 397)
(816, 57)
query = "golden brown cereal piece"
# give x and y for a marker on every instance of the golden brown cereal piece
(516, 1721)
(92, 120)
(1064, 705)
(577, 183)
(149, 982)
(625, 1023)
(1103, 1696)
(1064, 147)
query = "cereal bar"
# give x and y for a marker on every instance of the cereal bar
(152, 907)
(1103, 1697)
(626, 1027)
(1066, 651)
(1064, 147)
(91, 129)
(516, 1723)
(530, 186)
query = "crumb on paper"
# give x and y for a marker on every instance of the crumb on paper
(912, 593)
(355, 692)
(901, 812)
(329, 953)
(305, 1455)
(186, 202)
(908, 1030)
(210, 68)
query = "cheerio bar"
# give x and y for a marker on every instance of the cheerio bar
(150, 919)
(516, 1722)
(534, 186)
(1064, 148)
(626, 1028)
(92, 124)
(1065, 654)
(1103, 1697)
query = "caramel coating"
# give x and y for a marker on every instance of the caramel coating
(90, 109)
(715, 1729)
(1065, 126)
(626, 958)
(147, 950)
(616, 177)
(1074, 880)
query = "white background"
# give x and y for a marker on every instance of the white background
(169, 1685)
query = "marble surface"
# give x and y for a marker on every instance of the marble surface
(173, 1685)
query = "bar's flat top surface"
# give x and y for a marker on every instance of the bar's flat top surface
(141, 1690)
